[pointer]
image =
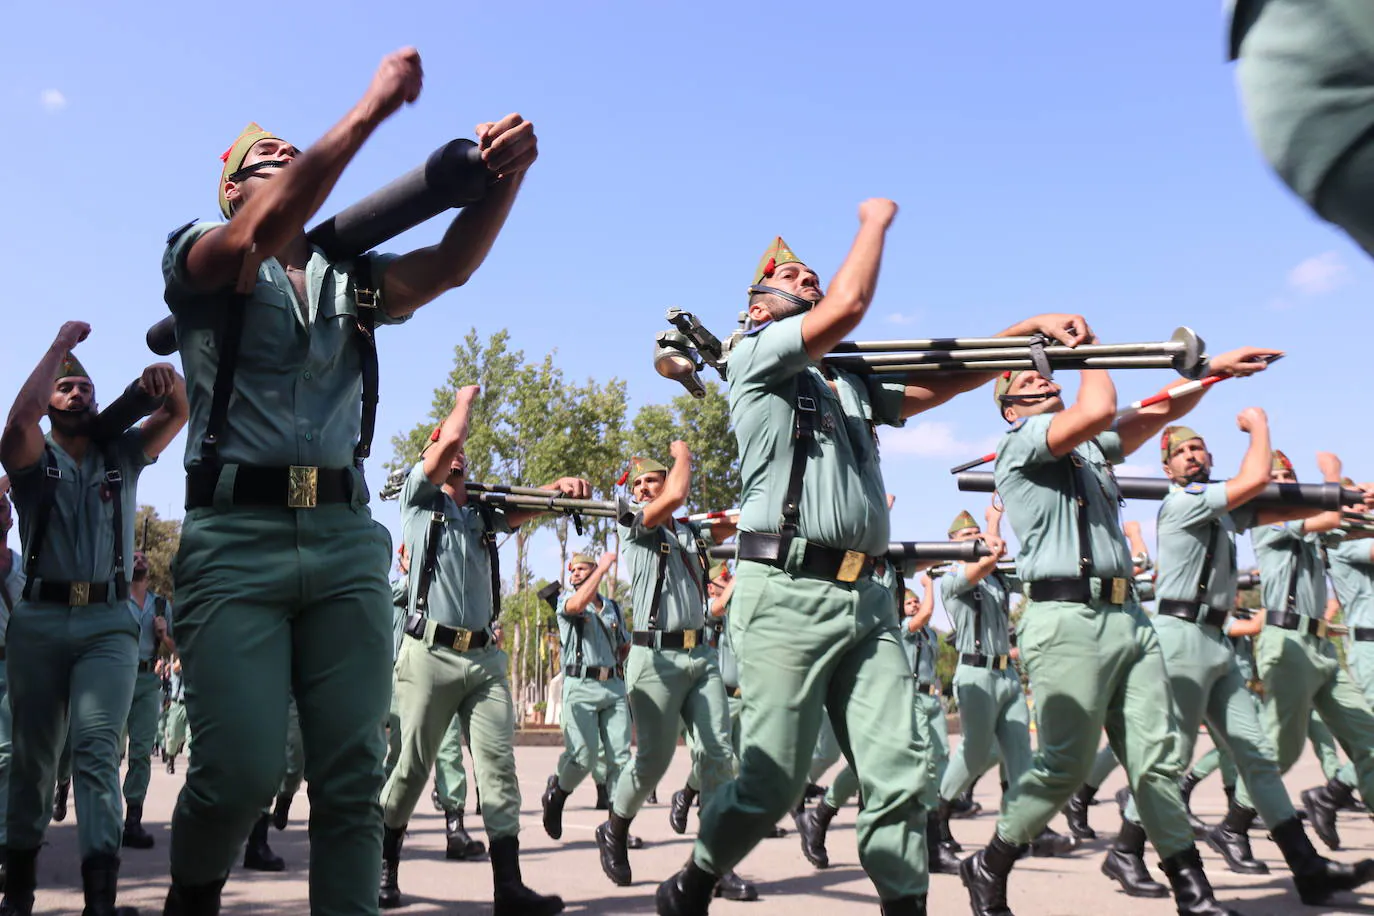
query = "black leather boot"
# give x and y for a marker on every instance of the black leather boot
(436, 801)
(1051, 843)
(281, 811)
(905, 906)
(389, 891)
(732, 887)
(687, 893)
(511, 896)
(200, 900)
(1125, 863)
(1192, 892)
(99, 883)
(603, 798)
(459, 845)
(552, 801)
(1076, 812)
(939, 859)
(21, 880)
(611, 840)
(679, 808)
(59, 801)
(964, 806)
(135, 837)
(172, 765)
(985, 875)
(1186, 785)
(1316, 878)
(942, 816)
(1231, 840)
(257, 855)
(1322, 804)
(812, 825)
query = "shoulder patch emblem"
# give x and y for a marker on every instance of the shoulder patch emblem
(1020, 422)
(1195, 488)
(176, 233)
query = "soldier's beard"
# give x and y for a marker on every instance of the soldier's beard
(140, 575)
(71, 422)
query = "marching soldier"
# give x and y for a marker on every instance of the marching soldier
(814, 623)
(282, 571)
(73, 643)
(177, 735)
(1196, 591)
(596, 710)
(151, 612)
(672, 674)
(450, 663)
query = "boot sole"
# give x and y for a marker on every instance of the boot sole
(1234, 866)
(603, 847)
(1151, 894)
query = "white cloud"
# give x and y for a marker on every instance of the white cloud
(903, 318)
(935, 439)
(52, 99)
(1138, 470)
(1319, 274)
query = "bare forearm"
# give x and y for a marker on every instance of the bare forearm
(584, 594)
(32, 402)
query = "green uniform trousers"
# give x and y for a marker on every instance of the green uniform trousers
(64, 760)
(295, 752)
(271, 603)
(1103, 765)
(1359, 657)
(808, 647)
(734, 704)
(1323, 745)
(141, 729)
(177, 735)
(668, 687)
(827, 752)
(450, 779)
(433, 684)
(1093, 667)
(995, 721)
(393, 737)
(931, 725)
(1300, 674)
(596, 718)
(1207, 684)
(6, 756)
(82, 661)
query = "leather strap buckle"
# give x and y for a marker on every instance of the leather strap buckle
(303, 487)
(80, 594)
(851, 566)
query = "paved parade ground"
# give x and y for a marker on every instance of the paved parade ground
(787, 883)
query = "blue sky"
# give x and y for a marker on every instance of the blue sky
(1051, 157)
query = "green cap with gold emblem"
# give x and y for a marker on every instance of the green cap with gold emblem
(961, 521)
(1281, 462)
(1172, 438)
(639, 466)
(233, 158)
(777, 255)
(581, 559)
(70, 367)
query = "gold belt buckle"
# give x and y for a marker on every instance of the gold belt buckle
(689, 639)
(604, 675)
(1321, 630)
(850, 566)
(462, 640)
(303, 487)
(999, 662)
(80, 595)
(1118, 591)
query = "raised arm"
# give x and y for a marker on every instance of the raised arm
(1090, 416)
(21, 444)
(577, 602)
(157, 432)
(1254, 468)
(676, 487)
(926, 611)
(453, 432)
(851, 292)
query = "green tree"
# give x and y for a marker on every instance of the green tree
(159, 539)
(704, 424)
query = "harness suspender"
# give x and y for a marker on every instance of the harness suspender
(365, 297)
(580, 619)
(1291, 604)
(806, 415)
(664, 548)
(1078, 492)
(1204, 581)
(52, 474)
(114, 479)
(427, 569)
(493, 559)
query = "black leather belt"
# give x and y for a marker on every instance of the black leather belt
(677, 639)
(1191, 611)
(932, 690)
(818, 560)
(593, 672)
(732, 692)
(284, 487)
(1079, 591)
(74, 594)
(456, 639)
(978, 660)
(145, 667)
(1290, 620)
(1359, 634)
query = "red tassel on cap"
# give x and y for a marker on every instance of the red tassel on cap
(770, 267)
(434, 436)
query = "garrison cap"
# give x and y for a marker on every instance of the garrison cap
(581, 559)
(233, 158)
(639, 466)
(961, 521)
(777, 255)
(717, 570)
(1280, 462)
(1173, 437)
(70, 367)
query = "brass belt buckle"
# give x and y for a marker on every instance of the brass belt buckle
(1320, 630)
(850, 566)
(80, 595)
(999, 662)
(462, 640)
(689, 639)
(604, 674)
(1118, 591)
(303, 487)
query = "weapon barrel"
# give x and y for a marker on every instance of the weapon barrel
(124, 411)
(1312, 495)
(946, 551)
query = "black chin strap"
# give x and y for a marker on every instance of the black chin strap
(249, 171)
(1029, 398)
(758, 290)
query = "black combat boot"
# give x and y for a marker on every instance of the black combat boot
(1051, 843)
(1125, 863)
(1322, 804)
(942, 816)
(281, 811)
(914, 905)
(603, 798)
(611, 840)
(552, 802)
(135, 837)
(1076, 813)
(985, 875)
(812, 825)
(732, 887)
(1186, 785)
(1231, 840)
(200, 900)
(939, 859)
(59, 801)
(99, 882)
(1192, 892)
(458, 844)
(257, 855)
(21, 880)
(1317, 878)
(680, 807)
(687, 893)
(511, 896)
(171, 765)
(389, 892)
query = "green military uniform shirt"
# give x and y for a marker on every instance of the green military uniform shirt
(599, 634)
(843, 501)
(962, 598)
(146, 615)
(1282, 549)
(1187, 518)
(682, 603)
(13, 587)
(79, 545)
(922, 649)
(1352, 572)
(298, 384)
(460, 592)
(400, 602)
(1038, 493)
(726, 659)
